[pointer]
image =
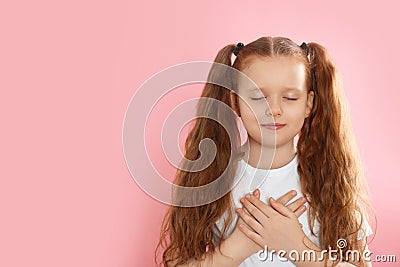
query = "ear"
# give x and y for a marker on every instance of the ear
(235, 102)
(310, 101)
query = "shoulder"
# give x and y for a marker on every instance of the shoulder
(366, 229)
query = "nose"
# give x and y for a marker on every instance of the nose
(273, 109)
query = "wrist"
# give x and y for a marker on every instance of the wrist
(240, 245)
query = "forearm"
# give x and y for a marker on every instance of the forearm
(229, 253)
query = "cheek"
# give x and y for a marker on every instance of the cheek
(295, 117)
(247, 113)
(252, 110)
(296, 111)
(249, 119)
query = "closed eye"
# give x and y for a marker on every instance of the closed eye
(259, 98)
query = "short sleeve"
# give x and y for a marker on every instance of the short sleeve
(365, 230)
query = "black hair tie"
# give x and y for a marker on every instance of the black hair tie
(305, 48)
(313, 79)
(238, 47)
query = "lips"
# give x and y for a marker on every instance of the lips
(273, 126)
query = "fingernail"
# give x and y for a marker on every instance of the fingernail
(247, 196)
(272, 199)
(293, 192)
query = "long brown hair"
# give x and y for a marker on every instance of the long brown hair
(329, 165)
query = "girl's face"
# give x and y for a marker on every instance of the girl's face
(282, 84)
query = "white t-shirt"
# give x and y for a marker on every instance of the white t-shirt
(272, 183)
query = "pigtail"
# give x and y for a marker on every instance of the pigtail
(187, 232)
(329, 163)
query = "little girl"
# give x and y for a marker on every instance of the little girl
(290, 196)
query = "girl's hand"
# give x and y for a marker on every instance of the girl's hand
(296, 206)
(275, 226)
(252, 246)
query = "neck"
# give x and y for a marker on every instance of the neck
(266, 157)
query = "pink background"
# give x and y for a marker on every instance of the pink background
(70, 68)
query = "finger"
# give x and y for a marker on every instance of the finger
(254, 211)
(249, 220)
(282, 209)
(296, 204)
(246, 211)
(267, 210)
(251, 234)
(256, 193)
(287, 197)
(300, 211)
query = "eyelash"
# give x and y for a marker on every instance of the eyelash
(288, 98)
